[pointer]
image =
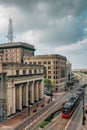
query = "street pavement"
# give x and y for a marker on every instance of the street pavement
(21, 116)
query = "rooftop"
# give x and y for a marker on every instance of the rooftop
(16, 45)
(49, 55)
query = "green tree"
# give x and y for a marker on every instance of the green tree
(55, 87)
(47, 83)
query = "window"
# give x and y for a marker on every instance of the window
(49, 77)
(44, 62)
(49, 72)
(30, 63)
(35, 71)
(39, 71)
(17, 72)
(30, 71)
(24, 72)
(49, 67)
(7, 55)
(6, 59)
(49, 62)
(34, 63)
(39, 63)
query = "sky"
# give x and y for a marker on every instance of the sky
(52, 26)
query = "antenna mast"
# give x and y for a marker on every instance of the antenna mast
(10, 35)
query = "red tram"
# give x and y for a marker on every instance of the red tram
(72, 103)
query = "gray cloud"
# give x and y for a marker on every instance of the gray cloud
(50, 25)
(52, 7)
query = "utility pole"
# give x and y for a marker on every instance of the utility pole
(29, 93)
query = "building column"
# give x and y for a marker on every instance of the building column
(42, 88)
(27, 94)
(17, 97)
(13, 101)
(20, 97)
(24, 95)
(32, 92)
(37, 91)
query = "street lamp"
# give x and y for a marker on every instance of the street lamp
(29, 102)
(83, 118)
(51, 93)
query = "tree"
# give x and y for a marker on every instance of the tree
(47, 83)
(54, 85)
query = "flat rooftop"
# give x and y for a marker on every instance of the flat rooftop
(17, 45)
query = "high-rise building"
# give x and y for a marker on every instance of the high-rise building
(14, 52)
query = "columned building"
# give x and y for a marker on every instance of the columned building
(55, 66)
(17, 82)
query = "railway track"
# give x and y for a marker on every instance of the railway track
(33, 122)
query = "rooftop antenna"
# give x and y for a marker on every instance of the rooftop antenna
(10, 35)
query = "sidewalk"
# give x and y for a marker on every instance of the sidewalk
(19, 117)
(84, 127)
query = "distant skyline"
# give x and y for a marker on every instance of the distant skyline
(52, 26)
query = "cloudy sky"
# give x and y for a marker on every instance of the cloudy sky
(52, 26)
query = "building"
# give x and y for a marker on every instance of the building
(21, 84)
(14, 52)
(55, 66)
(16, 81)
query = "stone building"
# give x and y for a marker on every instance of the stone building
(14, 52)
(17, 80)
(55, 66)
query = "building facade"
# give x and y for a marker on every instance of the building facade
(55, 66)
(17, 81)
(14, 52)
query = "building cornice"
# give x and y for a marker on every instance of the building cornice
(17, 45)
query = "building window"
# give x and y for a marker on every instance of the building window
(39, 71)
(49, 62)
(44, 62)
(54, 62)
(39, 63)
(24, 72)
(35, 71)
(30, 63)
(49, 77)
(49, 67)
(30, 71)
(49, 72)
(34, 63)
(17, 72)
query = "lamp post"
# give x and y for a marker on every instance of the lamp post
(51, 92)
(29, 102)
(83, 118)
